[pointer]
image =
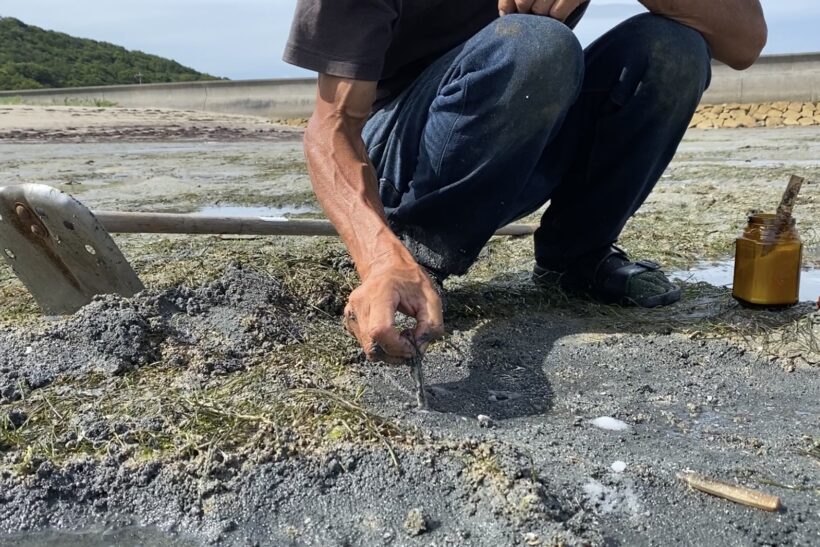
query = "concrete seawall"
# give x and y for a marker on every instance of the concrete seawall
(266, 98)
(773, 78)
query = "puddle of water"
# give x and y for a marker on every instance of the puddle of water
(250, 211)
(790, 163)
(167, 148)
(721, 274)
(132, 536)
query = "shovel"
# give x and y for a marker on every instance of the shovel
(64, 255)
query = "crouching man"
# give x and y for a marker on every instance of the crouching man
(439, 121)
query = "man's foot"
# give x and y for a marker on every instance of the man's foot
(612, 278)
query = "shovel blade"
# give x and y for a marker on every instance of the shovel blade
(59, 250)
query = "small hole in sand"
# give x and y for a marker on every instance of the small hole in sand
(68, 225)
(9, 254)
(502, 396)
(90, 250)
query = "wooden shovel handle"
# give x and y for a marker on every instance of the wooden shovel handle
(170, 223)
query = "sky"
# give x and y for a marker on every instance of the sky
(244, 39)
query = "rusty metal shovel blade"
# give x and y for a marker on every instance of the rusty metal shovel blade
(59, 250)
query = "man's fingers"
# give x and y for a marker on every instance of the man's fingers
(430, 317)
(429, 320)
(370, 315)
(561, 9)
(381, 330)
(542, 7)
(350, 321)
(506, 6)
(427, 332)
(353, 326)
(389, 340)
(523, 6)
(379, 340)
(558, 9)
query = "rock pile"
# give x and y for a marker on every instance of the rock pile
(776, 114)
(707, 116)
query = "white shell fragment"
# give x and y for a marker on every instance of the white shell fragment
(485, 421)
(610, 424)
(618, 466)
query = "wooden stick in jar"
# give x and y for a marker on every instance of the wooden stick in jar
(784, 212)
(737, 494)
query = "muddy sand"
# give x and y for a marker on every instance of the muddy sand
(226, 404)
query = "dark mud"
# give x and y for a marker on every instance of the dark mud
(91, 441)
(351, 497)
(139, 133)
(222, 322)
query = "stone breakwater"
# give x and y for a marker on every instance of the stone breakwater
(720, 116)
(778, 114)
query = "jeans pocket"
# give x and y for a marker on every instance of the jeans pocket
(375, 152)
(628, 85)
(389, 194)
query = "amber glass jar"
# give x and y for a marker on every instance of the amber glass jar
(768, 274)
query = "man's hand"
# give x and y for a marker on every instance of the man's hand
(557, 9)
(346, 186)
(391, 285)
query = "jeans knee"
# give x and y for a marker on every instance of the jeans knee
(678, 57)
(544, 57)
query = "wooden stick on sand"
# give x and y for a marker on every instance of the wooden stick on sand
(737, 494)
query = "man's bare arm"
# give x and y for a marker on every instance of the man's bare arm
(735, 29)
(345, 184)
(342, 176)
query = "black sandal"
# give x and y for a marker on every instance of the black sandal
(610, 281)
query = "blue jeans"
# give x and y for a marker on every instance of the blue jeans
(520, 115)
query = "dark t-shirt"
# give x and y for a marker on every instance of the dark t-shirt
(389, 41)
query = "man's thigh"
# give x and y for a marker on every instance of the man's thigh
(486, 109)
(392, 134)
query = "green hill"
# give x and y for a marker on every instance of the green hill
(31, 58)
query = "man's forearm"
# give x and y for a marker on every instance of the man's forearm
(735, 29)
(345, 184)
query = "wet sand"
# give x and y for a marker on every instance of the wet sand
(227, 404)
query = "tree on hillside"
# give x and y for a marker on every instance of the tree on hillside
(32, 58)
